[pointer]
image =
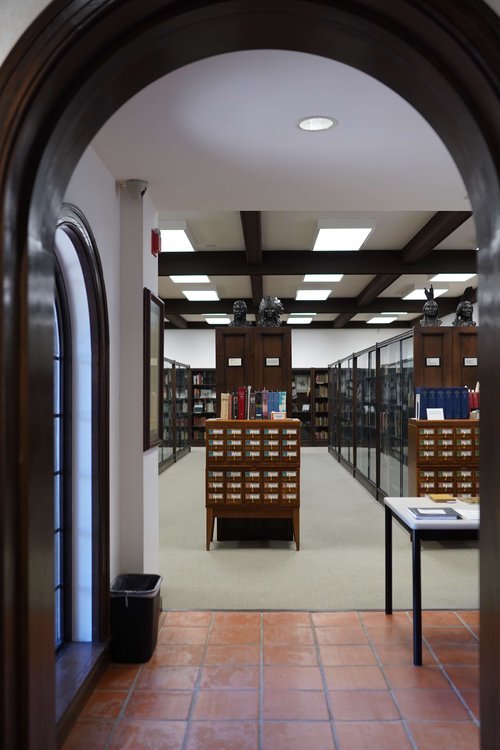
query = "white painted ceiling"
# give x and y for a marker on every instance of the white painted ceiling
(220, 136)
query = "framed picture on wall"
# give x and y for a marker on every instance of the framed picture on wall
(153, 370)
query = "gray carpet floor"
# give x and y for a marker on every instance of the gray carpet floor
(340, 565)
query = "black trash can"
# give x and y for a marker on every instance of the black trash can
(135, 611)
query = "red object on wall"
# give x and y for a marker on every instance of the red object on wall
(155, 242)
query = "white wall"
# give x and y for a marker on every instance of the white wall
(310, 348)
(15, 17)
(92, 190)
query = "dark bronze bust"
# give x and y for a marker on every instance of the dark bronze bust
(270, 310)
(240, 314)
(430, 310)
(464, 312)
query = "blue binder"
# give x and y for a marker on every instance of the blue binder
(440, 399)
(448, 403)
(457, 403)
(464, 397)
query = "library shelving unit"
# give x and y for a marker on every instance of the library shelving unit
(372, 395)
(252, 472)
(443, 457)
(320, 406)
(176, 413)
(203, 402)
(310, 404)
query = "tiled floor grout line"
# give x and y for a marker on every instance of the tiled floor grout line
(451, 681)
(324, 681)
(380, 664)
(196, 686)
(121, 714)
(260, 716)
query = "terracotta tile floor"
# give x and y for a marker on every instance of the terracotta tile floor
(289, 681)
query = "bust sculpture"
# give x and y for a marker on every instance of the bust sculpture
(464, 312)
(240, 314)
(270, 310)
(430, 309)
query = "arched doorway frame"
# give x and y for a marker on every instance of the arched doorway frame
(72, 69)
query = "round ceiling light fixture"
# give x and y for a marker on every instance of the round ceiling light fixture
(317, 123)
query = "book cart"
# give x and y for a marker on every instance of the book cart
(252, 471)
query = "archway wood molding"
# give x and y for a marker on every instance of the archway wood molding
(78, 62)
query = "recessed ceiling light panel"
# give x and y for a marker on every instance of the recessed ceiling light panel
(195, 279)
(341, 238)
(316, 123)
(381, 320)
(323, 277)
(218, 320)
(453, 277)
(201, 295)
(298, 320)
(417, 294)
(312, 294)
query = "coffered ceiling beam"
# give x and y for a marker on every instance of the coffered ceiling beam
(252, 235)
(342, 320)
(333, 305)
(177, 320)
(435, 231)
(299, 262)
(375, 287)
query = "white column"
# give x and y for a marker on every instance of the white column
(139, 539)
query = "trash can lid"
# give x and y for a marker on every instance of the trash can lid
(136, 584)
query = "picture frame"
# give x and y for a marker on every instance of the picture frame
(302, 383)
(153, 370)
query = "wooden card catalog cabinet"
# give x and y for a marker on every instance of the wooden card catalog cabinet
(252, 471)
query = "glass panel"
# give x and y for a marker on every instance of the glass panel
(390, 419)
(408, 404)
(57, 559)
(58, 635)
(362, 412)
(321, 405)
(57, 500)
(345, 409)
(181, 407)
(57, 444)
(333, 385)
(301, 402)
(372, 416)
(167, 449)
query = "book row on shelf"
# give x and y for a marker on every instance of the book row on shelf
(455, 403)
(246, 403)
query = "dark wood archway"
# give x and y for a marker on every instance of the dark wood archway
(73, 68)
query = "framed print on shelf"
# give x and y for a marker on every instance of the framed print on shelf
(153, 370)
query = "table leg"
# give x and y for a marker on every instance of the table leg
(388, 561)
(210, 526)
(417, 600)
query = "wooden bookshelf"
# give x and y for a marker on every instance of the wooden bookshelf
(252, 471)
(203, 402)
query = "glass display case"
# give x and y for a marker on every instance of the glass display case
(366, 414)
(176, 417)
(346, 448)
(371, 398)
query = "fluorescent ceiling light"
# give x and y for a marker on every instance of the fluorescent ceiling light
(218, 320)
(323, 277)
(196, 279)
(299, 320)
(453, 277)
(381, 320)
(420, 294)
(394, 313)
(174, 238)
(312, 294)
(317, 123)
(307, 314)
(346, 238)
(201, 295)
